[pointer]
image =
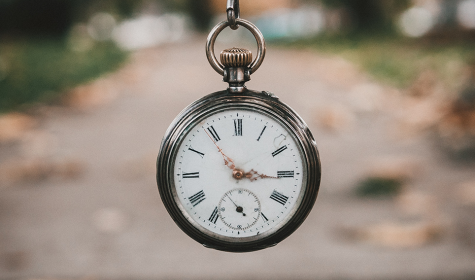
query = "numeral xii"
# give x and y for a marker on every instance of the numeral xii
(238, 127)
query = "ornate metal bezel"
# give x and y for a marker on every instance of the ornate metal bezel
(250, 100)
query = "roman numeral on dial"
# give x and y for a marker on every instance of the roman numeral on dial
(238, 127)
(279, 150)
(285, 174)
(261, 133)
(197, 198)
(280, 198)
(191, 175)
(214, 134)
(214, 216)
(199, 153)
(264, 217)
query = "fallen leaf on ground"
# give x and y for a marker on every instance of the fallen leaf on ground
(466, 193)
(397, 234)
(37, 169)
(418, 203)
(366, 97)
(110, 220)
(336, 117)
(395, 167)
(13, 126)
(97, 93)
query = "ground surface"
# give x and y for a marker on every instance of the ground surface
(108, 221)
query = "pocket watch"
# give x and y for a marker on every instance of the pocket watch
(238, 170)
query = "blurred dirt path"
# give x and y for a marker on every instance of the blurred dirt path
(104, 217)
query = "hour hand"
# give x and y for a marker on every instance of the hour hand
(251, 175)
(254, 175)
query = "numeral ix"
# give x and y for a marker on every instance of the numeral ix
(191, 175)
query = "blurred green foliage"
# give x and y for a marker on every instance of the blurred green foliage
(396, 60)
(370, 15)
(54, 18)
(201, 13)
(39, 71)
(378, 187)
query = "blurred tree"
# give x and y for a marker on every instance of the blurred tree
(120, 8)
(32, 17)
(201, 12)
(370, 15)
(53, 18)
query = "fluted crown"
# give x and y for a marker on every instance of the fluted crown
(236, 57)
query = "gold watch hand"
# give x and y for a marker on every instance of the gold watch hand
(254, 175)
(227, 160)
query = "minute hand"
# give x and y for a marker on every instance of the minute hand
(227, 160)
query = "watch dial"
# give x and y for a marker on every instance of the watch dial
(239, 173)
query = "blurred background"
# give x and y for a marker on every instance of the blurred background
(88, 88)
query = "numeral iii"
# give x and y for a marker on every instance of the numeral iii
(285, 174)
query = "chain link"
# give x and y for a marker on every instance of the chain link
(233, 12)
(261, 45)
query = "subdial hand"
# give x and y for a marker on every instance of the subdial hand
(239, 209)
(227, 160)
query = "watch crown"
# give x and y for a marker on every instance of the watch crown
(236, 57)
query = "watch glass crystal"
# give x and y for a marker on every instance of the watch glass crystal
(238, 173)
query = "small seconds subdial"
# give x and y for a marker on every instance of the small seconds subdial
(239, 209)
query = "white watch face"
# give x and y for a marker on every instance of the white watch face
(239, 173)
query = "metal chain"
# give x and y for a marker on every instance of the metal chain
(261, 45)
(233, 13)
(233, 21)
